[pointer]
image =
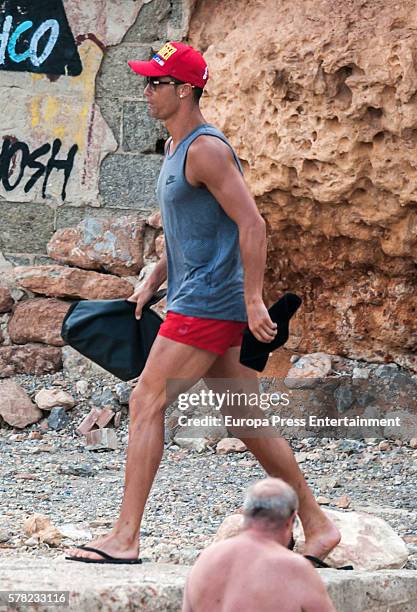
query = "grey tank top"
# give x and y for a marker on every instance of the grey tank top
(205, 274)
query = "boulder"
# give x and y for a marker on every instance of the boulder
(58, 418)
(101, 439)
(16, 407)
(61, 281)
(82, 387)
(368, 542)
(104, 417)
(209, 434)
(197, 444)
(307, 370)
(38, 320)
(76, 365)
(231, 526)
(40, 528)
(230, 445)
(123, 391)
(6, 300)
(159, 245)
(113, 245)
(155, 220)
(29, 359)
(105, 398)
(89, 422)
(46, 399)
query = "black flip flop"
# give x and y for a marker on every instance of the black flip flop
(106, 558)
(321, 564)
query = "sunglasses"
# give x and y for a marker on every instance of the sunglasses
(154, 83)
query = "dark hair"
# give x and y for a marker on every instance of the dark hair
(197, 91)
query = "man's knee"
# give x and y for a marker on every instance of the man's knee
(146, 401)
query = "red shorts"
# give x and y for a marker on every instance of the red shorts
(214, 335)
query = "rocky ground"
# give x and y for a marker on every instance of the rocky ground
(80, 490)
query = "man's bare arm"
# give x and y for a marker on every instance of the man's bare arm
(186, 606)
(146, 290)
(210, 163)
(158, 274)
(316, 598)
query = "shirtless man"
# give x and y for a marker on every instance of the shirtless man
(215, 259)
(255, 570)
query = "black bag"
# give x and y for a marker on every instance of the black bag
(107, 332)
(254, 353)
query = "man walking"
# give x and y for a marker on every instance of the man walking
(254, 570)
(215, 259)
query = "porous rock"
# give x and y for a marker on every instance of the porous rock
(324, 124)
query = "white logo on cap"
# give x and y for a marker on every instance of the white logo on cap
(205, 74)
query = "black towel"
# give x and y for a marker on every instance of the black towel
(254, 353)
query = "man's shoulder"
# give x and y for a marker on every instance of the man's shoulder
(291, 560)
(209, 145)
(209, 156)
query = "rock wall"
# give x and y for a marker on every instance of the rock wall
(79, 159)
(110, 254)
(320, 99)
(75, 137)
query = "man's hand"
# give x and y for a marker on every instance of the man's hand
(260, 323)
(141, 296)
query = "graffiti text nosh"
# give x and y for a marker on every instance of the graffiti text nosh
(16, 157)
(35, 37)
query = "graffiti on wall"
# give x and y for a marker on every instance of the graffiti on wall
(16, 157)
(35, 36)
(53, 136)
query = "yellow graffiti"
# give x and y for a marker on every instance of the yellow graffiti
(59, 132)
(35, 111)
(51, 108)
(66, 116)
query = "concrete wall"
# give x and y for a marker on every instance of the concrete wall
(76, 139)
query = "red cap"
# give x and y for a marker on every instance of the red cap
(178, 60)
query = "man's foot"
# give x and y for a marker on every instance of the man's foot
(321, 539)
(110, 544)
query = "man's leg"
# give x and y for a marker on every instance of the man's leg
(277, 458)
(167, 360)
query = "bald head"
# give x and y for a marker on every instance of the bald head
(271, 501)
